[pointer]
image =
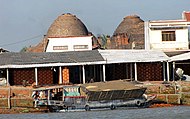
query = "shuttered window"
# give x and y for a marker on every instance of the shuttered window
(168, 36)
(60, 47)
(80, 46)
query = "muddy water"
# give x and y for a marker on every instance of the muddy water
(178, 112)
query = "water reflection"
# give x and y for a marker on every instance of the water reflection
(178, 112)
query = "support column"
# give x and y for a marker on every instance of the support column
(173, 71)
(36, 76)
(8, 77)
(135, 71)
(83, 74)
(60, 75)
(168, 72)
(131, 71)
(164, 71)
(104, 73)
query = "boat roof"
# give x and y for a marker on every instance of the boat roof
(110, 86)
(55, 87)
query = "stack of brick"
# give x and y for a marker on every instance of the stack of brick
(15, 97)
(185, 92)
(164, 92)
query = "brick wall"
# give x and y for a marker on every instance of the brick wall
(17, 76)
(150, 71)
(45, 76)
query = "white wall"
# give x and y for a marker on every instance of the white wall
(181, 43)
(70, 42)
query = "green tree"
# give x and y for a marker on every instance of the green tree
(24, 49)
(104, 39)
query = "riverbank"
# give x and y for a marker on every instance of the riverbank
(172, 93)
(21, 110)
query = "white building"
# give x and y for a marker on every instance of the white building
(167, 35)
(69, 44)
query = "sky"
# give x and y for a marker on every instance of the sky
(23, 23)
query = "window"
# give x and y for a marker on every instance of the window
(168, 36)
(60, 47)
(80, 46)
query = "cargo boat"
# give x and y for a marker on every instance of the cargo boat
(98, 95)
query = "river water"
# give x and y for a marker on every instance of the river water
(178, 112)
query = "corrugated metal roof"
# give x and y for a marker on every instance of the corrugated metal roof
(47, 59)
(181, 57)
(121, 56)
(50, 59)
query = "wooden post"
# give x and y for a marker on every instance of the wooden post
(173, 71)
(83, 74)
(8, 84)
(164, 72)
(9, 98)
(48, 98)
(104, 73)
(36, 76)
(60, 75)
(135, 71)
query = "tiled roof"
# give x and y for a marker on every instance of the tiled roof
(74, 58)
